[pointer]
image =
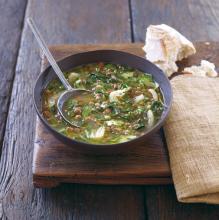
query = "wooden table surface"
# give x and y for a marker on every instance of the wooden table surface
(73, 22)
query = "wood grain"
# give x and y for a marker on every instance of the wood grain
(84, 202)
(82, 21)
(161, 203)
(11, 23)
(55, 162)
(63, 50)
(196, 19)
(60, 23)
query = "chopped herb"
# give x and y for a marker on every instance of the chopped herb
(122, 105)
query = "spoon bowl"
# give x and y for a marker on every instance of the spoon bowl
(64, 97)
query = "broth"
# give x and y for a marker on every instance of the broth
(123, 105)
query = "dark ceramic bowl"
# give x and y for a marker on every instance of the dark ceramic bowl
(109, 56)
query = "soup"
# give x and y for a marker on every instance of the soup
(124, 104)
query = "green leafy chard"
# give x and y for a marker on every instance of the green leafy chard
(124, 103)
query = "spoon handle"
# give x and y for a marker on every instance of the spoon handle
(49, 56)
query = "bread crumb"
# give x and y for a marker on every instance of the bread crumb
(206, 69)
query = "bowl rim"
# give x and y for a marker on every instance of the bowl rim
(149, 132)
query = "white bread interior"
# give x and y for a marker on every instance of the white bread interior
(206, 69)
(164, 46)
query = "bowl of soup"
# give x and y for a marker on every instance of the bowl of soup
(129, 100)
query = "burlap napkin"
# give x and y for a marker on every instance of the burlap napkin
(192, 133)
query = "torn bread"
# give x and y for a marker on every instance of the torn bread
(164, 46)
(205, 69)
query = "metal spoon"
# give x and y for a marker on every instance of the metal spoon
(70, 92)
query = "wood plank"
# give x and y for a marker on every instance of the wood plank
(196, 19)
(147, 163)
(61, 51)
(55, 162)
(161, 203)
(12, 15)
(61, 22)
(89, 202)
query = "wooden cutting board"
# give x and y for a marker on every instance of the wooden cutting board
(55, 163)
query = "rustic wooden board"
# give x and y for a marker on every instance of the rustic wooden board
(55, 162)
